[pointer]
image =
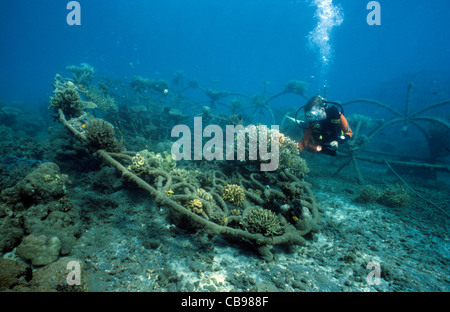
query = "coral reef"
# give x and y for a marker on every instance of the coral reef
(81, 74)
(66, 98)
(38, 205)
(12, 273)
(102, 101)
(42, 185)
(395, 196)
(143, 162)
(100, 134)
(50, 278)
(264, 221)
(240, 204)
(233, 194)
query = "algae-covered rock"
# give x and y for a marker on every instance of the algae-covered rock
(65, 275)
(11, 233)
(43, 185)
(39, 250)
(12, 273)
(393, 196)
(369, 194)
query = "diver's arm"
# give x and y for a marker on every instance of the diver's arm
(306, 142)
(346, 127)
(347, 131)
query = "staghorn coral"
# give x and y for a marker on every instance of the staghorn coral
(289, 156)
(100, 134)
(287, 149)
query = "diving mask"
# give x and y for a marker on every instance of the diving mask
(313, 115)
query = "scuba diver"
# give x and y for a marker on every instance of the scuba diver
(326, 127)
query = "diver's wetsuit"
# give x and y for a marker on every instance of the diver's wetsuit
(321, 133)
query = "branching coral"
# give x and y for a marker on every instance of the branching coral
(81, 74)
(369, 194)
(263, 221)
(102, 101)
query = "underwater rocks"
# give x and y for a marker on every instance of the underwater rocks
(43, 185)
(38, 206)
(40, 250)
(17, 276)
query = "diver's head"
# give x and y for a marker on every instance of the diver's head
(315, 109)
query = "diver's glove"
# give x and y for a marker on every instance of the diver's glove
(334, 145)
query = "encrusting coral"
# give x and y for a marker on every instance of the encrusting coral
(240, 204)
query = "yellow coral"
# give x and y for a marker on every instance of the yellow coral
(169, 192)
(281, 138)
(195, 205)
(233, 194)
(138, 160)
(235, 212)
(139, 165)
(52, 179)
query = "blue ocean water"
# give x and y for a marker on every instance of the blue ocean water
(242, 47)
(239, 43)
